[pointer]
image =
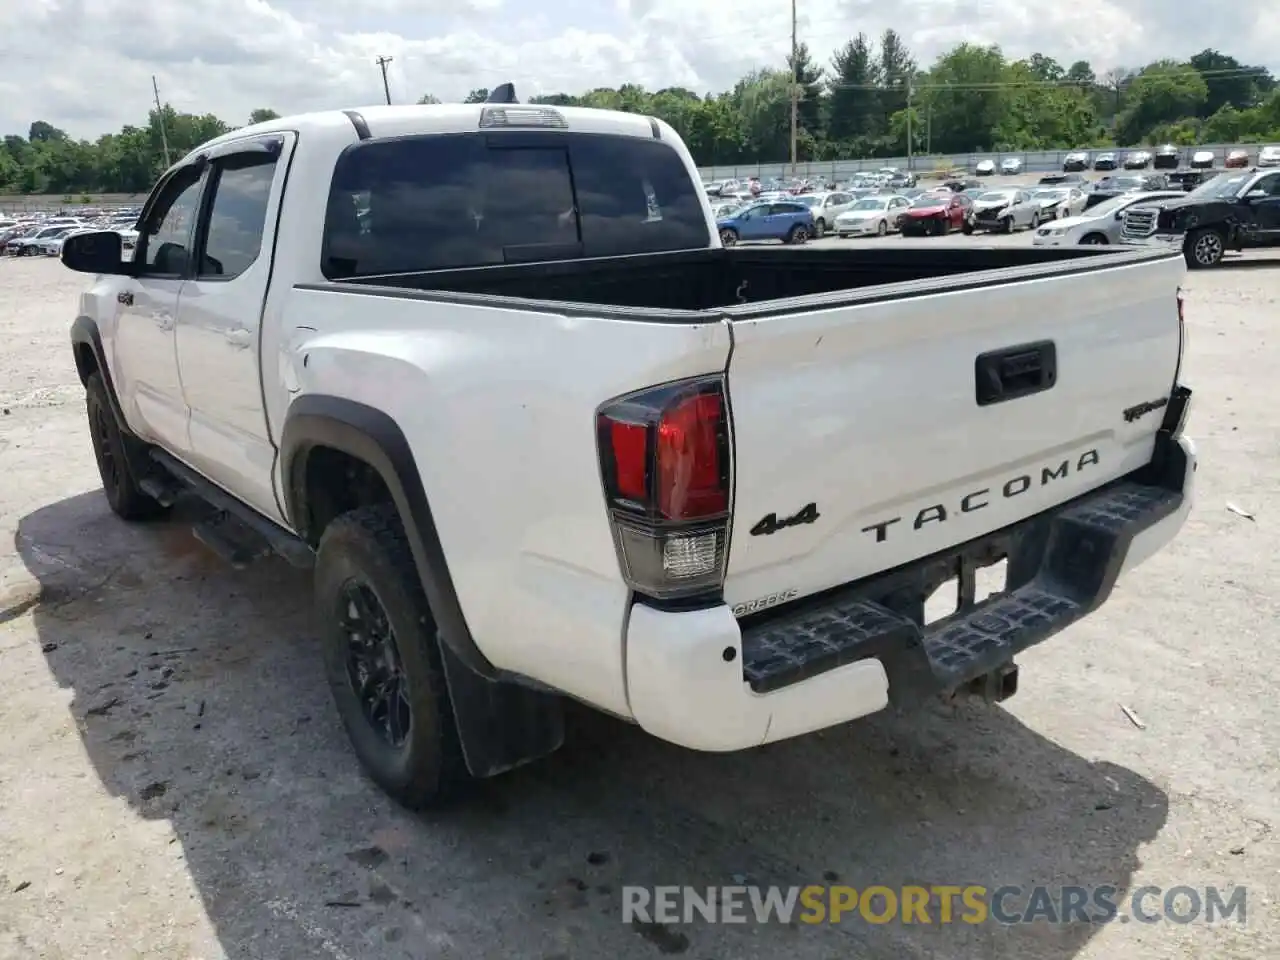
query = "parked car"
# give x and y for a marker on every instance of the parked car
(1099, 225)
(1011, 166)
(1004, 211)
(787, 221)
(935, 213)
(1188, 180)
(1236, 210)
(1236, 159)
(1108, 187)
(30, 245)
(871, 215)
(1137, 160)
(901, 179)
(1202, 159)
(639, 480)
(985, 168)
(1105, 161)
(1166, 157)
(1269, 156)
(826, 207)
(1061, 179)
(1058, 202)
(1075, 161)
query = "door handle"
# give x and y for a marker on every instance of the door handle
(125, 297)
(1015, 372)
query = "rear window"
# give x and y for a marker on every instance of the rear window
(468, 200)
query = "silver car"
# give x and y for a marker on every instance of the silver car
(1005, 210)
(1100, 224)
(871, 215)
(826, 207)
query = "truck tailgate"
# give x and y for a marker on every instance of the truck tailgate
(872, 434)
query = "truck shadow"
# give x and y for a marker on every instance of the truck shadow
(200, 700)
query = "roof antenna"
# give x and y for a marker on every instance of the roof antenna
(503, 93)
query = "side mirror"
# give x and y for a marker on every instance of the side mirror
(1256, 195)
(97, 252)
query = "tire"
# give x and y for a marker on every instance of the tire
(117, 456)
(1035, 221)
(843, 236)
(883, 229)
(797, 234)
(728, 236)
(1204, 248)
(1006, 225)
(365, 573)
(819, 229)
(1094, 240)
(944, 227)
(967, 228)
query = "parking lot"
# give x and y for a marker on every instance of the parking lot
(174, 782)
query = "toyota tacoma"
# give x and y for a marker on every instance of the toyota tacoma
(540, 436)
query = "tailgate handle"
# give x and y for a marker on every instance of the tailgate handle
(1015, 372)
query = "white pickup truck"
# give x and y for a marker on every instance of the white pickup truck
(487, 369)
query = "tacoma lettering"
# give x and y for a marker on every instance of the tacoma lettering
(977, 499)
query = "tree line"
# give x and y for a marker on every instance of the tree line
(871, 100)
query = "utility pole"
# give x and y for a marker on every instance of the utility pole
(382, 62)
(928, 127)
(795, 87)
(164, 137)
(910, 151)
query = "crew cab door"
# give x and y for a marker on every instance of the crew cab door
(1264, 201)
(145, 362)
(220, 314)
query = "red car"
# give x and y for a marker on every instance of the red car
(937, 214)
(1237, 158)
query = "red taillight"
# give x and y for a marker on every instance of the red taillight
(691, 479)
(664, 457)
(630, 455)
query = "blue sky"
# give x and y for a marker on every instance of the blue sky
(86, 65)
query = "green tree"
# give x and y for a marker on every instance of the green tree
(1227, 81)
(811, 105)
(1163, 92)
(262, 115)
(428, 98)
(854, 114)
(478, 95)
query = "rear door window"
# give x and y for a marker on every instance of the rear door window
(466, 200)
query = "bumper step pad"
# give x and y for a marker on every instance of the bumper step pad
(1067, 561)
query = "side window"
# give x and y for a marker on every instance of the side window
(164, 243)
(238, 216)
(1269, 184)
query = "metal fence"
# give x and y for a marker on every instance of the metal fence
(67, 203)
(1032, 162)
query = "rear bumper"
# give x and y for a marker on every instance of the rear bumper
(704, 680)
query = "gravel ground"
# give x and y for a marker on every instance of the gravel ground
(174, 783)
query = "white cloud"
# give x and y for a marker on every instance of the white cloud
(86, 65)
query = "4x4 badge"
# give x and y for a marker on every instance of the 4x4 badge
(771, 524)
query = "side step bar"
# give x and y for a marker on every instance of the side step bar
(218, 532)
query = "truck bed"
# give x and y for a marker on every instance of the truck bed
(699, 280)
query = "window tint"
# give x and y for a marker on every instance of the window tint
(166, 240)
(238, 216)
(438, 202)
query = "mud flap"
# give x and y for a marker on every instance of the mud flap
(501, 724)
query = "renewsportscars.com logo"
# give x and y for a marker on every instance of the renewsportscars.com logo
(936, 904)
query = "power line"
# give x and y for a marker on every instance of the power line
(382, 62)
